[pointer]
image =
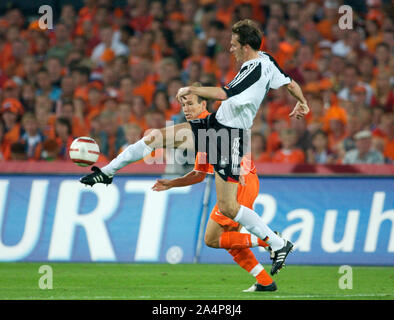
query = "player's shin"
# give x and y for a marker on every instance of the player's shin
(247, 261)
(252, 222)
(132, 153)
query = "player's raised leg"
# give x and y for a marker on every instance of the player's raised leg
(176, 136)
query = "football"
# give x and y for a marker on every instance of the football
(84, 151)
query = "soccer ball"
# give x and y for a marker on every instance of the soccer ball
(84, 151)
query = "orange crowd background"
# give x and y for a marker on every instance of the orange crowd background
(112, 72)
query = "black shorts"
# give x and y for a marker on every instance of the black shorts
(223, 145)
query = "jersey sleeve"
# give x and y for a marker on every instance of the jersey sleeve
(201, 164)
(279, 77)
(246, 77)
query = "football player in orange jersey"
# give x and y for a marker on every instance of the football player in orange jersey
(221, 231)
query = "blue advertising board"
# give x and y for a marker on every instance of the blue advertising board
(331, 220)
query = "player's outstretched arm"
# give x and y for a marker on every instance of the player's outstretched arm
(301, 107)
(188, 179)
(213, 93)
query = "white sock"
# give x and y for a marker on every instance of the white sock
(253, 223)
(132, 153)
(256, 270)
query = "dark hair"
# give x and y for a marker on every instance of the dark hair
(82, 70)
(129, 30)
(42, 70)
(217, 24)
(384, 45)
(161, 91)
(319, 132)
(18, 147)
(65, 122)
(248, 32)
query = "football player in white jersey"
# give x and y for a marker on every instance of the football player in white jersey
(222, 134)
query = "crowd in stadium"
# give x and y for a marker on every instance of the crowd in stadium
(112, 73)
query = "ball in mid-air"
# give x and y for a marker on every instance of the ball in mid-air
(84, 151)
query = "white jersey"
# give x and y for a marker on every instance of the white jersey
(248, 89)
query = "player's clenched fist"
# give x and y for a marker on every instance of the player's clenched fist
(300, 110)
(161, 185)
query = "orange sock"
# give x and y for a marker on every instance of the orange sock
(237, 240)
(246, 260)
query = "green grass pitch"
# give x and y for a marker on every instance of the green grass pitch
(188, 281)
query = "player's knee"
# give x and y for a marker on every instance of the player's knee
(228, 208)
(210, 241)
(154, 138)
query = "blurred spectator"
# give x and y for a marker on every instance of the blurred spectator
(45, 86)
(11, 112)
(142, 86)
(126, 89)
(350, 81)
(11, 89)
(363, 152)
(63, 44)
(384, 96)
(335, 125)
(28, 97)
(289, 153)
(63, 136)
(31, 138)
(352, 127)
(319, 153)
(274, 141)
(315, 121)
(155, 119)
(133, 133)
(304, 137)
(4, 146)
(161, 103)
(124, 113)
(94, 99)
(109, 47)
(54, 67)
(50, 150)
(81, 76)
(42, 111)
(111, 135)
(258, 147)
(385, 131)
(18, 151)
(67, 86)
(67, 111)
(139, 109)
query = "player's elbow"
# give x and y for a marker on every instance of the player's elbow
(221, 94)
(199, 176)
(154, 138)
(292, 85)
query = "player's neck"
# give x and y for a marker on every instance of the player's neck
(251, 55)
